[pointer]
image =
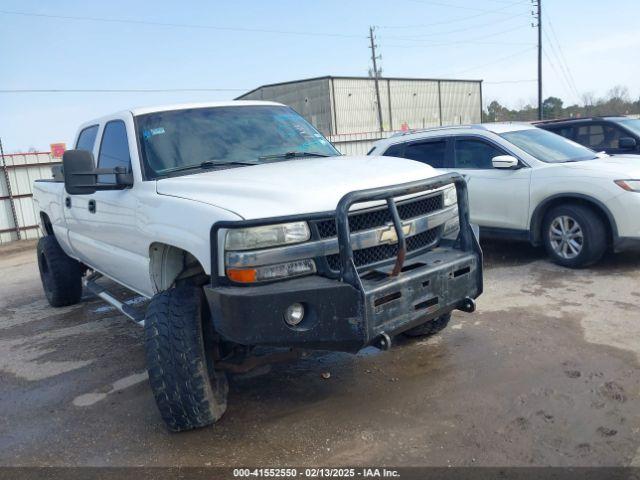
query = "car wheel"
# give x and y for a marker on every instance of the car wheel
(60, 274)
(574, 236)
(188, 390)
(429, 328)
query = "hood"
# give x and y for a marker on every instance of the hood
(292, 187)
(617, 166)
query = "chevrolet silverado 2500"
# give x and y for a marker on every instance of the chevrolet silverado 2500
(247, 229)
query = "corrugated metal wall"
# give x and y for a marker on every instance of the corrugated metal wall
(414, 103)
(461, 102)
(347, 105)
(356, 108)
(309, 98)
(357, 143)
(22, 170)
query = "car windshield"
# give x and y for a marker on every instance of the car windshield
(548, 147)
(631, 124)
(225, 137)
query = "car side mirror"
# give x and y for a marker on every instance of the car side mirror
(78, 166)
(80, 175)
(627, 143)
(505, 162)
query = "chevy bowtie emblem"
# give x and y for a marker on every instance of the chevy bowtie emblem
(389, 234)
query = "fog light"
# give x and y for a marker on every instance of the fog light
(294, 314)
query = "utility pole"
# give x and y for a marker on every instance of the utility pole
(376, 74)
(538, 16)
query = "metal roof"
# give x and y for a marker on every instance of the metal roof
(346, 77)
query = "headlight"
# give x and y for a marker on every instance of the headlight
(272, 272)
(267, 236)
(629, 185)
(449, 196)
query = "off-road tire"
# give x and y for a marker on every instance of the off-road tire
(189, 392)
(594, 235)
(60, 274)
(429, 328)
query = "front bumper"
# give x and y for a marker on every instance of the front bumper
(354, 310)
(341, 317)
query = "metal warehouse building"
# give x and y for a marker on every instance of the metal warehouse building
(346, 111)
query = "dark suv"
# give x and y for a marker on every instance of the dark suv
(602, 134)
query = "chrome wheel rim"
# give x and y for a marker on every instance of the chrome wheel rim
(566, 237)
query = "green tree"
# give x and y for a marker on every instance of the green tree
(552, 107)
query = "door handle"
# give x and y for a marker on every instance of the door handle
(67, 202)
(92, 206)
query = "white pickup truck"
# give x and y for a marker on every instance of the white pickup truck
(246, 228)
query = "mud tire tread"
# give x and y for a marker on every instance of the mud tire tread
(188, 394)
(61, 275)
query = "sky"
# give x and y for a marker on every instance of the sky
(235, 46)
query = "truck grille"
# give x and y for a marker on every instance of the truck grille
(373, 255)
(379, 216)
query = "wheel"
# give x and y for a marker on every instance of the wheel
(429, 328)
(60, 274)
(189, 392)
(574, 235)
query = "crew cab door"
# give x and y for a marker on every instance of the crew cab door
(498, 198)
(104, 232)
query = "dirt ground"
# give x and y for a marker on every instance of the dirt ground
(545, 372)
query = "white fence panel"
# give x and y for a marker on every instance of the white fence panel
(22, 169)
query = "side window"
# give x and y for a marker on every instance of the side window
(114, 149)
(87, 138)
(592, 136)
(432, 153)
(395, 150)
(612, 136)
(475, 154)
(566, 132)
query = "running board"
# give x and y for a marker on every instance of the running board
(133, 313)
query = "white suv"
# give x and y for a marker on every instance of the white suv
(527, 183)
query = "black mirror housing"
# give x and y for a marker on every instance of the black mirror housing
(78, 167)
(627, 143)
(80, 175)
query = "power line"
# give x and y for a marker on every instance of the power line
(454, 20)
(469, 40)
(465, 7)
(118, 90)
(180, 25)
(457, 30)
(553, 32)
(559, 74)
(563, 74)
(498, 60)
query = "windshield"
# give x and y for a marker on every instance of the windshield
(548, 147)
(225, 137)
(631, 124)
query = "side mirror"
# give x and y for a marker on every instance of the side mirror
(80, 176)
(505, 162)
(78, 167)
(627, 143)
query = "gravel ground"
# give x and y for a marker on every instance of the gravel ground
(545, 372)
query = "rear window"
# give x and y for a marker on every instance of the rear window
(87, 138)
(432, 153)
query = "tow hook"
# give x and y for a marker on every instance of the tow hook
(467, 305)
(383, 342)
